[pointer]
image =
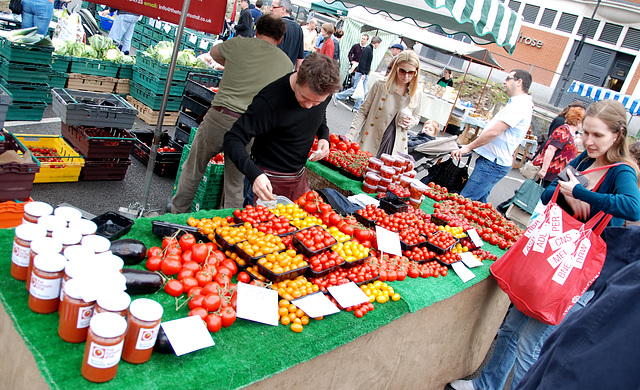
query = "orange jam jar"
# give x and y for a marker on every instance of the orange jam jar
(103, 349)
(46, 278)
(41, 246)
(75, 314)
(35, 210)
(21, 254)
(143, 326)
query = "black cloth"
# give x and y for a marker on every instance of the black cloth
(336, 48)
(448, 83)
(364, 66)
(419, 139)
(355, 52)
(555, 123)
(282, 128)
(112, 10)
(388, 139)
(292, 43)
(244, 27)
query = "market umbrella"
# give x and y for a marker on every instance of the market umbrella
(336, 8)
(596, 93)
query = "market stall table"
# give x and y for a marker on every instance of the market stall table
(440, 330)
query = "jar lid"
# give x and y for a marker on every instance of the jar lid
(38, 209)
(50, 262)
(51, 222)
(387, 169)
(84, 226)
(98, 244)
(68, 213)
(384, 179)
(407, 179)
(417, 200)
(373, 176)
(146, 309)
(418, 185)
(30, 232)
(77, 252)
(114, 300)
(67, 236)
(76, 268)
(108, 325)
(375, 161)
(108, 261)
(72, 288)
(46, 244)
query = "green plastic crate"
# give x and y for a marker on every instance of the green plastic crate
(156, 85)
(94, 67)
(24, 73)
(152, 100)
(26, 92)
(60, 63)
(58, 79)
(210, 189)
(159, 69)
(28, 111)
(24, 53)
(126, 71)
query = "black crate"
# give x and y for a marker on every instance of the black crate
(105, 169)
(198, 84)
(166, 162)
(194, 106)
(182, 134)
(112, 225)
(82, 108)
(167, 229)
(116, 145)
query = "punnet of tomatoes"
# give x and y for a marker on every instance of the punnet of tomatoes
(291, 211)
(253, 215)
(380, 292)
(290, 315)
(402, 192)
(312, 203)
(347, 155)
(441, 241)
(207, 226)
(352, 252)
(277, 226)
(449, 257)
(323, 262)
(363, 273)
(295, 288)
(336, 277)
(436, 192)
(411, 237)
(358, 310)
(419, 254)
(370, 214)
(312, 240)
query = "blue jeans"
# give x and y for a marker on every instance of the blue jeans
(37, 13)
(122, 30)
(485, 176)
(518, 346)
(348, 92)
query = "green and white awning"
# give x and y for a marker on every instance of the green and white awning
(484, 21)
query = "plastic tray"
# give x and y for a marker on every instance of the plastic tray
(249, 259)
(276, 278)
(54, 172)
(57, 79)
(112, 225)
(60, 63)
(24, 73)
(182, 134)
(105, 169)
(152, 100)
(156, 85)
(194, 106)
(439, 250)
(166, 229)
(301, 248)
(392, 206)
(118, 145)
(226, 246)
(341, 170)
(11, 213)
(408, 247)
(187, 120)
(26, 92)
(350, 264)
(91, 83)
(450, 265)
(81, 108)
(25, 53)
(26, 111)
(125, 71)
(210, 189)
(363, 220)
(105, 23)
(318, 274)
(166, 162)
(161, 70)
(198, 85)
(93, 67)
(5, 102)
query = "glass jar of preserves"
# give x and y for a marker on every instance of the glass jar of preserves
(143, 325)
(51, 223)
(399, 162)
(372, 179)
(114, 302)
(67, 213)
(97, 244)
(21, 254)
(35, 210)
(46, 278)
(387, 172)
(67, 237)
(75, 314)
(84, 226)
(41, 246)
(103, 349)
(387, 159)
(405, 181)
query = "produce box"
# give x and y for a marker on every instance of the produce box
(17, 179)
(93, 67)
(11, 213)
(123, 87)
(156, 85)
(199, 84)
(60, 63)
(160, 69)
(25, 53)
(83, 82)
(112, 225)
(5, 102)
(105, 169)
(166, 162)
(57, 79)
(102, 142)
(187, 120)
(26, 111)
(26, 92)
(126, 71)
(209, 193)
(81, 108)
(66, 170)
(153, 101)
(150, 116)
(194, 106)
(24, 73)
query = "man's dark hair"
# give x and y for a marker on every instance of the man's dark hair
(339, 33)
(376, 39)
(271, 26)
(526, 78)
(320, 73)
(259, 4)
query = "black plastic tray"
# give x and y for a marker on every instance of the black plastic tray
(82, 108)
(166, 162)
(341, 171)
(363, 220)
(167, 229)
(283, 276)
(112, 225)
(392, 206)
(198, 85)
(439, 250)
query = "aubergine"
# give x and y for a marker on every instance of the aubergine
(162, 343)
(142, 282)
(131, 251)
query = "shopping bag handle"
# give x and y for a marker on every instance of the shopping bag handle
(598, 222)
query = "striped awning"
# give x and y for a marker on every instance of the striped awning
(484, 21)
(631, 103)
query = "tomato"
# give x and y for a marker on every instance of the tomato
(199, 311)
(244, 277)
(173, 250)
(231, 265)
(153, 263)
(194, 291)
(184, 273)
(347, 229)
(174, 288)
(203, 277)
(199, 253)
(228, 317)
(187, 241)
(155, 251)
(189, 282)
(211, 302)
(362, 234)
(211, 287)
(196, 301)
(170, 266)
(192, 265)
(222, 279)
(169, 241)
(186, 256)
(334, 219)
(214, 322)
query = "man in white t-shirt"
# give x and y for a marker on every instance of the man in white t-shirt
(500, 138)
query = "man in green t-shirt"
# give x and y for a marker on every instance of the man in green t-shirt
(250, 64)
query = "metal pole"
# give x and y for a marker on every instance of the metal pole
(163, 106)
(458, 95)
(575, 55)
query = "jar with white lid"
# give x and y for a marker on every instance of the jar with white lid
(113, 302)
(96, 243)
(39, 246)
(75, 314)
(104, 347)
(46, 278)
(51, 223)
(143, 324)
(21, 254)
(68, 213)
(85, 226)
(108, 262)
(35, 210)
(67, 236)
(78, 252)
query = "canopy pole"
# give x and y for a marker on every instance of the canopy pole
(163, 106)
(458, 95)
(485, 86)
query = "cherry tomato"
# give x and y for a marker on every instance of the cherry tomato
(228, 317)
(244, 277)
(174, 288)
(214, 322)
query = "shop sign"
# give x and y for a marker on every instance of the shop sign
(530, 41)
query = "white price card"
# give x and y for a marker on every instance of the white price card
(151, 22)
(388, 241)
(166, 27)
(187, 334)
(316, 305)
(470, 260)
(463, 272)
(348, 294)
(475, 237)
(204, 44)
(193, 38)
(257, 304)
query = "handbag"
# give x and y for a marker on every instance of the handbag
(554, 262)
(452, 175)
(16, 6)
(529, 171)
(358, 94)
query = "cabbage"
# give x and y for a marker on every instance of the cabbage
(76, 49)
(200, 63)
(89, 52)
(186, 58)
(112, 54)
(126, 59)
(100, 42)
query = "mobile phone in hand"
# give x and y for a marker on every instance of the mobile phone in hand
(565, 177)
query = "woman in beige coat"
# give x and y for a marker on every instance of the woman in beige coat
(391, 108)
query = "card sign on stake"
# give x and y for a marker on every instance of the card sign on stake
(470, 260)
(316, 305)
(166, 27)
(388, 241)
(257, 304)
(187, 334)
(463, 272)
(475, 237)
(193, 39)
(348, 294)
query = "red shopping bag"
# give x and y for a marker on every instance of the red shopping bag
(553, 263)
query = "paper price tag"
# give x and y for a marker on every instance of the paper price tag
(257, 304)
(348, 294)
(316, 305)
(187, 334)
(166, 28)
(204, 44)
(470, 260)
(151, 22)
(463, 272)
(193, 38)
(388, 241)
(475, 237)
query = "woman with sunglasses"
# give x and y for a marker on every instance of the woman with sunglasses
(390, 109)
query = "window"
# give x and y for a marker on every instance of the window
(567, 22)
(530, 13)
(632, 39)
(514, 5)
(610, 33)
(593, 27)
(548, 16)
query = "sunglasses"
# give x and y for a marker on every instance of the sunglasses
(404, 72)
(510, 78)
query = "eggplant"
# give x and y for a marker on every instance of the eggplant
(131, 251)
(162, 343)
(142, 282)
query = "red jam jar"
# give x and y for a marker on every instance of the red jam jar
(368, 188)
(75, 314)
(46, 278)
(405, 181)
(21, 254)
(39, 246)
(104, 347)
(372, 179)
(387, 159)
(416, 203)
(375, 164)
(35, 210)
(387, 172)
(417, 189)
(411, 173)
(142, 330)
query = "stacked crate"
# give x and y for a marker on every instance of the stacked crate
(24, 73)
(167, 161)
(196, 100)
(93, 75)
(149, 31)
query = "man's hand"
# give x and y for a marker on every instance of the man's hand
(458, 153)
(322, 151)
(262, 188)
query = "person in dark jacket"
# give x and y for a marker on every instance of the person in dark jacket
(293, 41)
(429, 131)
(256, 10)
(362, 72)
(244, 27)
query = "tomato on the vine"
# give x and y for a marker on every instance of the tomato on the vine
(174, 288)
(214, 322)
(228, 317)
(187, 241)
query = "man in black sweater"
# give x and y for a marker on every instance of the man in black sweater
(283, 119)
(244, 28)
(362, 72)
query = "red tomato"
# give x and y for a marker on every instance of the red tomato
(169, 241)
(192, 265)
(153, 263)
(199, 311)
(196, 301)
(189, 282)
(244, 277)
(184, 273)
(174, 288)
(186, 256)
(155, 251)
(187, 241)
(211, 302)
(211, 287)
(170, 265)
(222, 279)
(199, 253)
(194, 291)
(228, 317)
(214, 322)
(203, 277)
(230, 265)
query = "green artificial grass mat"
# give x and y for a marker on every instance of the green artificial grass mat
(244, 353)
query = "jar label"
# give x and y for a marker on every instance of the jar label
(44, 288)
(21, 255)
(84, 316)
(62, 289)
(101, 356)
(147, 337)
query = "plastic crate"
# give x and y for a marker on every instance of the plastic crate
(11, 213)
(187, 120)
(198, 84)
(152, 100)
(85, 82)
(54, 172)
(25, 53)
(210, 189)
(24, 73)
(60, 63)
(117, 145)
(5, 102)
(26, 111)
(105, 23)
(182, 134)
(17, 179)
(160, 69)
(125, 71)
(57, 79)
(166, 162)
(194, 106)
(93, 67)
(25, 92)
(105, 169)
(123, 87)
(82, 108)
(156, 85)
(150, 116)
